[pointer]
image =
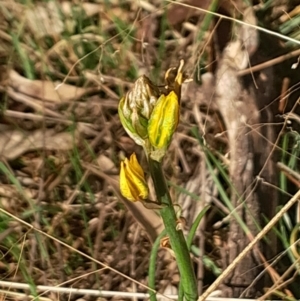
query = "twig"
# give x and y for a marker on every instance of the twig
(90, 292)
(269, 63)
(288, 171)
(284, 95)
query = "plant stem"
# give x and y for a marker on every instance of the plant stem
(152, 265)
(176, 237)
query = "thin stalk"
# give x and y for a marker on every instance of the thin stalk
(152, 265)
(190, 238)
(177, 240)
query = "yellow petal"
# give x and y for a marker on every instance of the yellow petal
(133, 185)
(164, 120)
(135, 175)
(124, 185)
(136, 166)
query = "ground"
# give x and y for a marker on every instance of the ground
(65, 66)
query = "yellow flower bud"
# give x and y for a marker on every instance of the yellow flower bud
(133, 185)
(150, 113)
(163, 121)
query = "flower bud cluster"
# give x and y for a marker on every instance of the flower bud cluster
(150, 116)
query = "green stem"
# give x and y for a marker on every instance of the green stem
(176, 237)
(207, 20)
(152, 265)
(190, 238)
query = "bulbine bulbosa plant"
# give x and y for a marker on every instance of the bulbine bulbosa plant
(150, 115)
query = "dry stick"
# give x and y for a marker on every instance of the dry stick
(284, 96)
(258, 237)
(270, 63)
(295, 177)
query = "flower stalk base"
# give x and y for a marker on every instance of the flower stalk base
(176, 237)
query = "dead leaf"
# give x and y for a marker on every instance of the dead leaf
(45, 19)
(15, 142)
(90, 9)
(44, 90)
